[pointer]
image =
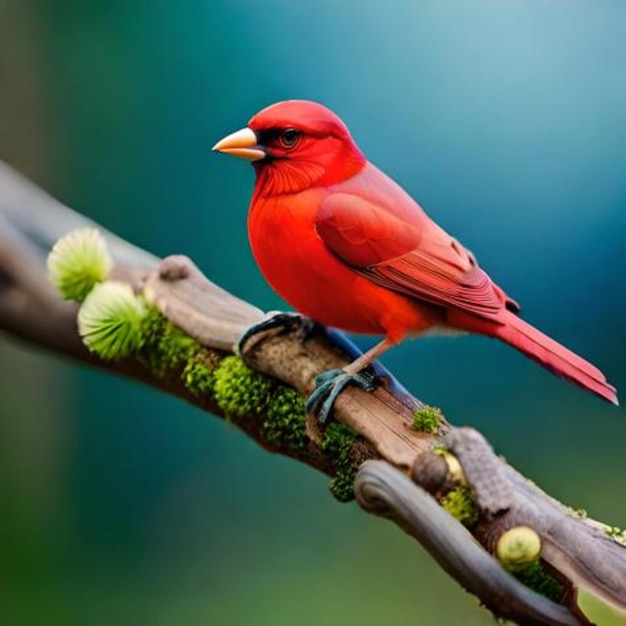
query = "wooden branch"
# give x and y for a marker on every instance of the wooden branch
(400, 471)
(384, 490)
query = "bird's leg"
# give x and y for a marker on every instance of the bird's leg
(329, 384)
(367, 358)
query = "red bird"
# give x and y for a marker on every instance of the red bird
(348, 247)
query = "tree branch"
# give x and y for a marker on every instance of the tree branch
(401, 476)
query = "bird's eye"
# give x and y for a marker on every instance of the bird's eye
(290, 137)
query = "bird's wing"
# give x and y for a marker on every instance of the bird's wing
(418, 259)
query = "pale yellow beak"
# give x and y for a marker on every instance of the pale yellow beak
(242, 144)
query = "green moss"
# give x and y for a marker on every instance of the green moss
(426, 419)
(342, 486)
(338, 439)
(617, 534)
(461, 504)
(239, 390)
(153, 331)
(285, 421)
(613, 531)
(440, 449)
(535, 576)
(338, 442)
(166, 346)
(199, 372)
(177, 347)
(153, 326)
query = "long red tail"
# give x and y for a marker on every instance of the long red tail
(554, 357)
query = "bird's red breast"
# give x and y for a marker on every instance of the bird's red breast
(286, 234)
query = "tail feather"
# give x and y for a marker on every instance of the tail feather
(555, 357)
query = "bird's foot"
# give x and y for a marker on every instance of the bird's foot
(328, 386)
(307, 329)
(284, 321)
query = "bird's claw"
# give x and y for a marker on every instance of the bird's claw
(328, 386)
(307, 329)
(283, 320)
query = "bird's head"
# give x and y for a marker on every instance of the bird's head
(295, 145)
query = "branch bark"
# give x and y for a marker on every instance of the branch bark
(399, 470)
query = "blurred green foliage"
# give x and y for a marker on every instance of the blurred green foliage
(506, 120)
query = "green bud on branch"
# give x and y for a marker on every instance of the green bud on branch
(79, 261)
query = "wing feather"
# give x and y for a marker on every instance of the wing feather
(415, 258)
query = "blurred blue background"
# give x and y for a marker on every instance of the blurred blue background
(506, 120)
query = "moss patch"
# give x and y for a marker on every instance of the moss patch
(617, 534)
(440, 449)
(239, 390)
(461, 504)
(535, 576)
(285, 421)
(426, 419)
(338, 442)
(166, 345)
(199, 372)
